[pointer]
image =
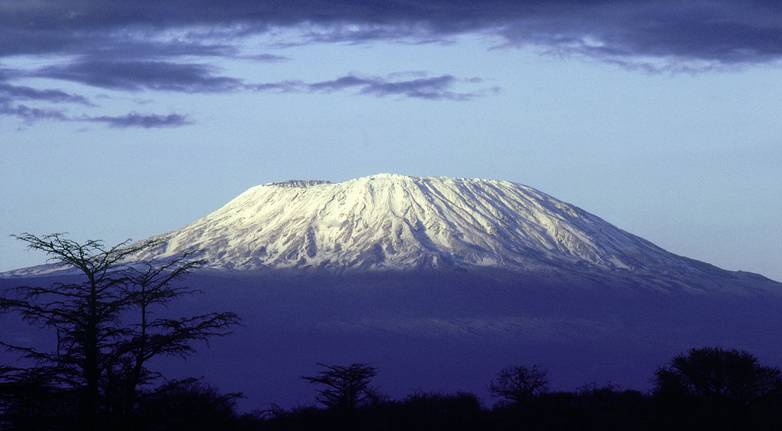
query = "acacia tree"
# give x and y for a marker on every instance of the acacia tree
(103, 319)
(151, 286)
(519, 384)
(344, 388)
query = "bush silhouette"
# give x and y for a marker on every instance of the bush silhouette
(716, 374)
(188, 404)
(718, 389)
(519, 384)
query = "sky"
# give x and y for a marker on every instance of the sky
(127, 119)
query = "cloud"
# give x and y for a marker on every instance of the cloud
(431, 88)
(270, 58)
(169, 46)
(187, 77)
(133, 76)
(145, 121)
(30, 114)
(17, 92)
(718, 32)
(12, 96)
(141, 75)
(419, 87)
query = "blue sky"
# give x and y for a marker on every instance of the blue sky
(126, 125)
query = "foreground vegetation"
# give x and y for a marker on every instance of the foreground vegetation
(707, 388)
(107, 329)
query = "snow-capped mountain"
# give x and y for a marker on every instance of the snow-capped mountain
(442, 281)
(398, 222)
(389, 222)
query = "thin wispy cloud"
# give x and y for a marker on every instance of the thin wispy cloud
(15, 102)
(441, 87)
(19, 92)
(144, 121)
(191, 78)
(29, 114)
(430, 88)
(142, 75)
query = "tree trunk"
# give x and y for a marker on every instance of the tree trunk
(91, 396)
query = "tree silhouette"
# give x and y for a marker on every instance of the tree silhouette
(151, 285)
(104, 322)
(716, 374)
(344, 388)
(519, 384)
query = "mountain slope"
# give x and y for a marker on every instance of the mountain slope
(398, 222)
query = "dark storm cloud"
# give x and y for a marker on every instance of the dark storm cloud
(721, 31)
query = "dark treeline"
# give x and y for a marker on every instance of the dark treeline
(705, 388)
(108, 328)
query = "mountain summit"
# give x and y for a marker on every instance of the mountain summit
(389, 221)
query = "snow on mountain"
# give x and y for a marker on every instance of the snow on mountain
(398, 222)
